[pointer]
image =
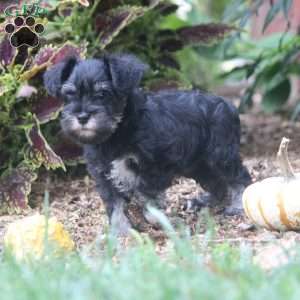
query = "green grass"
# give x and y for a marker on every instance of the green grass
(184, 272)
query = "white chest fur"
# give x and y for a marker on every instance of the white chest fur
(123, 177)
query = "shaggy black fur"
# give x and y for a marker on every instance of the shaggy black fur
(136, 142)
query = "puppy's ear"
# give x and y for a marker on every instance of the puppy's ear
(57, 75)
(126, 71)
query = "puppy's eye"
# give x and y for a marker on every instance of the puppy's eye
(101, 93)
(68, 90)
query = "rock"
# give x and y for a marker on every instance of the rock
(246, 227)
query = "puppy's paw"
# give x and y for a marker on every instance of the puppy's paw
(233, 211)
(151, 219)
(236, 205)
(196, 204)
(120, 225)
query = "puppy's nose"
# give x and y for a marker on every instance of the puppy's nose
(83, 117)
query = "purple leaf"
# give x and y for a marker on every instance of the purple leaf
(112, 25)
(43, 56)
(166, 8)
(107, 5)
(169, 61)
(49, 55)
(6, 3)
(166, 33)
(113, 21)
(46, 108)
(40, 62)
(204, 33)
(101, 22)
(68, 50)
(15, 188)
(65, 11)
(40, 152)
(7, 52)
(53, 55)
(67, 150)
(171, 45)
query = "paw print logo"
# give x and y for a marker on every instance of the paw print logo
(24, 32)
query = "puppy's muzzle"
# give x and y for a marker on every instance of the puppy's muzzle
(83, 117)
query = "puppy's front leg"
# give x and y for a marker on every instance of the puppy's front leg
(114, 203)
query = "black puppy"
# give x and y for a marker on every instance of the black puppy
(136, 142)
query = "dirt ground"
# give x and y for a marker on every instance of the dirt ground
(76, 203)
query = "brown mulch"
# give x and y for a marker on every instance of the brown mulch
(76, 203)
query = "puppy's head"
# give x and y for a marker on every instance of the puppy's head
(95, 92)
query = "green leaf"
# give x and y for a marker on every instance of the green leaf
(275, 98)
(234, 10)
(172, 22)
(275, 81)
(246, 100)
(274, 10)
(286, 5)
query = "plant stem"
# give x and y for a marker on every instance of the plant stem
(93, 9)
(283, 160)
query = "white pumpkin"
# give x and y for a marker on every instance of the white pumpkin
(274, 203)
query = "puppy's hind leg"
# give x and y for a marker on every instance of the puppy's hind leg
(238, 180)
(229, 183)
(215, 188)
(223, 156)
